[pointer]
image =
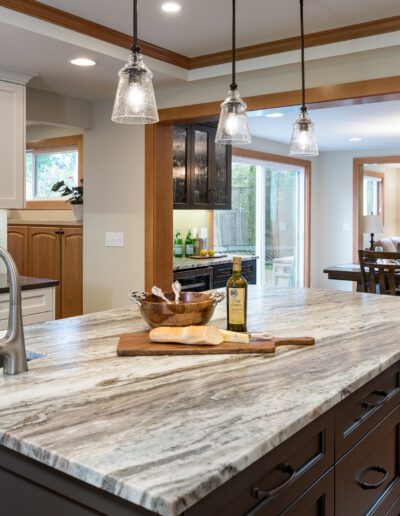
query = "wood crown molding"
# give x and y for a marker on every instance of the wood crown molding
(325, 37)
(89, 28)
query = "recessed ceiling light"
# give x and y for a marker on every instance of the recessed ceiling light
(83, 61)
(355, 139)
(275, 114)
(171, 7)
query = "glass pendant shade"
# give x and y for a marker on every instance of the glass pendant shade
(135, 102)
(304, 138)
(233, 128)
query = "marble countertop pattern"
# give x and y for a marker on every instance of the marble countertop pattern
(163, 432)
(190, 263)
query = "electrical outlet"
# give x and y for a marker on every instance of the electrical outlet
(114, 239)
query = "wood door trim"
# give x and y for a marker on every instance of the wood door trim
(101, 32)
(89, 28)
(369, 91)
(325, 37)
(306, 165)
(357, 183)
(49, 143)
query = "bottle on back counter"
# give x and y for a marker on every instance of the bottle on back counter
(236, 296)
(189, 244)
(178, 245)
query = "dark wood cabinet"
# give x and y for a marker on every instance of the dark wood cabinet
(201, 169)
(224, 271)
(216, 276)
(52, 252)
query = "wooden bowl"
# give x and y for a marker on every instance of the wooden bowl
(195, 308)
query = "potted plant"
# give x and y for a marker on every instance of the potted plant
(75, 194)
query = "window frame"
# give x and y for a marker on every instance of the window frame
(380, 201)
(60, 143)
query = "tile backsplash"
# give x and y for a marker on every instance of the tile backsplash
(189, 219)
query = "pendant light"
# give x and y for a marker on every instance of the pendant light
(135, 102)
(233, 128)
(304, 139)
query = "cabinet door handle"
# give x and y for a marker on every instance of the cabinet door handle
(210, 196)
(368, 405)
(285, 468)
(366, 485)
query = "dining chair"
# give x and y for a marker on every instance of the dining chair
(379, 269)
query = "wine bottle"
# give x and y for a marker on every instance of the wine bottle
(236, 296)
(178, 247)
(189, 244)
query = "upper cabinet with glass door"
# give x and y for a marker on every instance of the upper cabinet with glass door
(201, 169)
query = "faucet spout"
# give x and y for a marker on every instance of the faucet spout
(12, 346)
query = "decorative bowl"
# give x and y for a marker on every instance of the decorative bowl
(194, 308)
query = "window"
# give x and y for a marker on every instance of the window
(269, 217)
(373, 193)
(50, 161)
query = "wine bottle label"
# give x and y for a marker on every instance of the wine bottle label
(189, 248)
(178, 249)
(236, 305)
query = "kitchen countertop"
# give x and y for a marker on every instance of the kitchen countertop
(27, 283)
(21, 222)
(190, 263)
(163, 432)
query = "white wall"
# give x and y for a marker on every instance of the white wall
(336, 210)
(3, 235)
(114, 201)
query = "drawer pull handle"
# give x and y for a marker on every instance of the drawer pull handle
(366, 485)
(285, 468)
(368, 405)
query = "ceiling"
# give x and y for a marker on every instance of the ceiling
(203, 26)
(378, 124)
(48, 59)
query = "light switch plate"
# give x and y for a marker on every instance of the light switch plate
(114, 239)
(346, 227)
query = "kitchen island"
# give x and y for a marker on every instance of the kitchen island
(129, 435)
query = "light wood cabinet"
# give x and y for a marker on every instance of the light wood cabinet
(17, 245)
(52, 252)
(12, 145)
(71, 272)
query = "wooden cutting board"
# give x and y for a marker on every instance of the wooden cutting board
(139, 344)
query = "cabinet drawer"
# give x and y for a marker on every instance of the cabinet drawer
(223, 272)
(33, 302)
(319, 500)
(367, 477)
(272, 483)
(363, 410)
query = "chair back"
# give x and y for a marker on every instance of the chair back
(379, 269)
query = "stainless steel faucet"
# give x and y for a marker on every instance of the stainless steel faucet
(12, 346)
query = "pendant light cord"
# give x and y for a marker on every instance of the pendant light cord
(233, 85)
(135, 45)
(303, 80)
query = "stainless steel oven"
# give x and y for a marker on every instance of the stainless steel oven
(195, 280)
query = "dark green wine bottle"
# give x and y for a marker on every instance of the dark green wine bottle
(236, 296)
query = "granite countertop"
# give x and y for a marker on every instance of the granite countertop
(163, 432)
(190, 263)
(21, 222)
(27, 283)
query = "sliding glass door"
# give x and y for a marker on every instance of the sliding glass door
(267, 220)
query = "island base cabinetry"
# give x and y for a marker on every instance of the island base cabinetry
(346, 463)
